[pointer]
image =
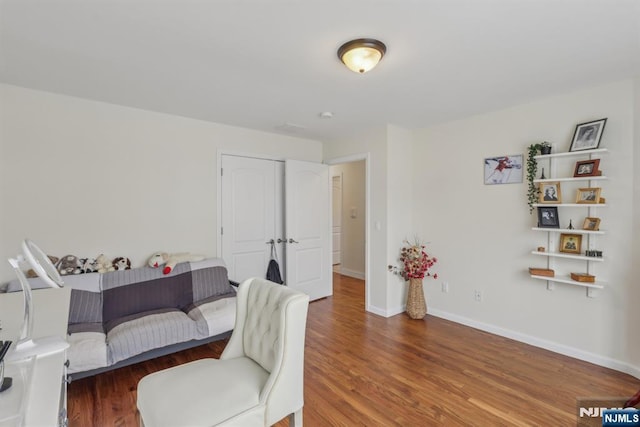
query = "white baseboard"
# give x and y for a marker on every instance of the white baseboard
(377, 310)
(385, 313)
(596, 359)
(351, 273)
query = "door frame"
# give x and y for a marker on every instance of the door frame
(367, 223)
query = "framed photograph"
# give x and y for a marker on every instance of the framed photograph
(587, 135)
(548, 217)
(550, 192)
(587, 168)
(570, 243)
(588, 195)
(503, 169)
(591, 223)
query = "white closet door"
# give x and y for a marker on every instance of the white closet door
(248, 220)
(307, 224)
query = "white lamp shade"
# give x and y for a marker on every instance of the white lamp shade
(361, 59)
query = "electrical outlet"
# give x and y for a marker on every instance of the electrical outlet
(445, 287)
(477, 295)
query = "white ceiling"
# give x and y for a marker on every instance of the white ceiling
(263, 64)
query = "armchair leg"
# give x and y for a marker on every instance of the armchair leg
(295, 419)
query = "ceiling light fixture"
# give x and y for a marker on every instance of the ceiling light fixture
(361, 55)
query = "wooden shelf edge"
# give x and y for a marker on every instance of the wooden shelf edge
(572, 153)
(569, 256)
(567, 230)
(573, 178)
(571, 205)
(596, 285)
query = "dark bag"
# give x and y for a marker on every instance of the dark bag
(273, 269)
(273, 272)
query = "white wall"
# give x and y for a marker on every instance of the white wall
(82, 177)
(482, 234)
(399, 210)
(353, 229)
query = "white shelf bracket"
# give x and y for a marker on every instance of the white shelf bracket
(551, 285)
(592, 293)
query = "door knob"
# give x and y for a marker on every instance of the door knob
(293, 241)
(282, 240)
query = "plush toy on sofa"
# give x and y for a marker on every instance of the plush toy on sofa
(69, 264)
(88, 265)
(170, 260)
(121, 263)
(103, 264)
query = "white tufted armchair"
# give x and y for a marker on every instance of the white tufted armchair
(258, 379)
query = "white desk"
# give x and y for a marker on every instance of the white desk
(38, 393)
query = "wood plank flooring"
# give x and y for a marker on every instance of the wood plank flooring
(365, 370)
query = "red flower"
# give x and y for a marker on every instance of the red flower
(415, 262)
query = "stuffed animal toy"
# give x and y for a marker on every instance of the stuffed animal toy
(88, 265)
(103, 264)
(170, 260)
(32, 274)
(121, 263)
(69, 264)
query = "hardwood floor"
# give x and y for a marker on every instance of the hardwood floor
(365, 370)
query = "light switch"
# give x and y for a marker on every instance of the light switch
(354, 212)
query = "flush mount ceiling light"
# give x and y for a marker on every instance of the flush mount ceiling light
(361, 55)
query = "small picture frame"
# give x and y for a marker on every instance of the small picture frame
(591, 223)
(503, 169)
(587, 168)
(550, 192)
(548, 217)
(588, 195)
(570, 243)
(587, 135)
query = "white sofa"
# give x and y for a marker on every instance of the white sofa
(124, 317)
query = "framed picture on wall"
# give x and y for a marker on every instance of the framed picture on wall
(550, 193)
(570, 243)
(588, 195)
(548, 217)
(503, 169)
(587, 168)
(587, 135)
(591, 223)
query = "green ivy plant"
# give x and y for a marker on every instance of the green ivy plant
(533, 192)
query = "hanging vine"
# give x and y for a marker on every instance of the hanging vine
(533, 191)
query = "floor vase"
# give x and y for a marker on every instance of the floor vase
(416, 304)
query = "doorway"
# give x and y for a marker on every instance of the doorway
(350, 208)
(336, 207)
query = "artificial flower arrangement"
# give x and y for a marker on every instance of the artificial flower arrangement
(415, 262)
